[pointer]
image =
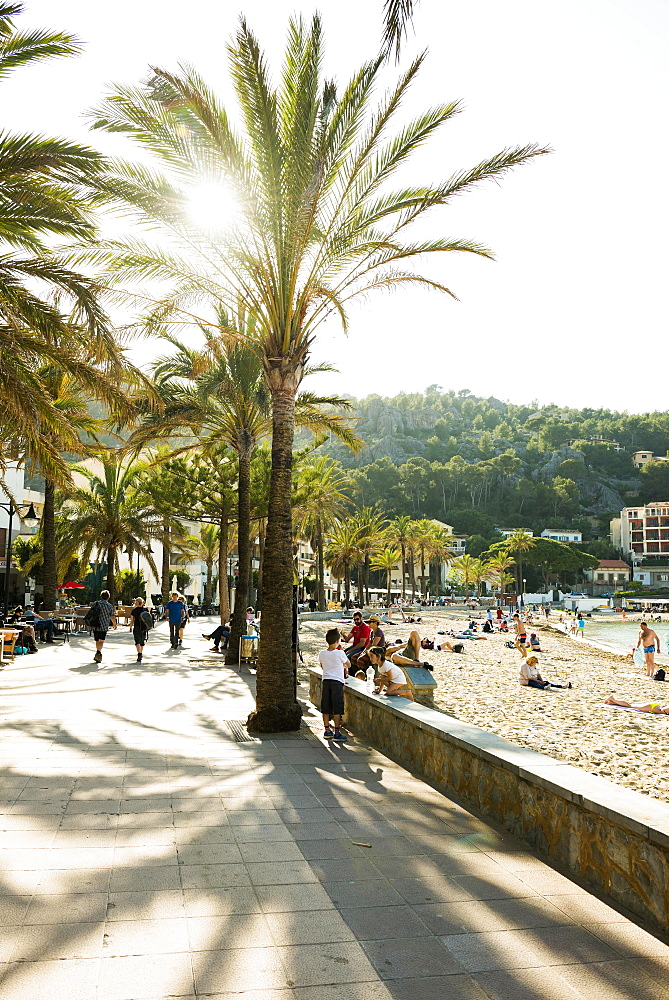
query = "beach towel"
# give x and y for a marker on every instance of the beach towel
(621, 708)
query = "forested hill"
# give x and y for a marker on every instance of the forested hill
(477, 462)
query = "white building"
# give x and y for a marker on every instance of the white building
(562, 534)
(507, 532)
(643, 532)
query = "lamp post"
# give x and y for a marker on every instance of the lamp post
(30, 520)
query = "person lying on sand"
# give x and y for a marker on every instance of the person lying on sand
(654, 707)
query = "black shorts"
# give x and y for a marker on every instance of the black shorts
(98, 635)
(139, 635)
(332, 698)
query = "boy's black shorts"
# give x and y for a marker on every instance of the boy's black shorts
(332, 698)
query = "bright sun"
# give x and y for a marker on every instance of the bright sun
(212, 207)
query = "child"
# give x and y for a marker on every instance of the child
(334, 664)
(390, 677)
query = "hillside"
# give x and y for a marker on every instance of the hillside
(476, 462)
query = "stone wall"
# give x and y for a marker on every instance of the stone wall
(614, 839)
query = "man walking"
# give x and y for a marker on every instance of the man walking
(651, 646)
(100, 617)
(174, 612)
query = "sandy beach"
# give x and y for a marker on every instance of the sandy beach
(481, 686)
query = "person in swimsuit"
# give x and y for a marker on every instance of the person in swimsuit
(521, 635)
(651, 645)
(653, 708)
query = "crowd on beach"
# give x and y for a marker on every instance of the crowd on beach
(530, 678)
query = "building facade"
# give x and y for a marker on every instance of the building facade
(609, 576)
(562, 534)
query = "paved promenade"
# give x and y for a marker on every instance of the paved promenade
(145, 854)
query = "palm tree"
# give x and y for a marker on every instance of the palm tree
(423, 539)
(386, 560)
(221, 393)
(497, 570)
(319, 504)
(208, 551)
(110, 514)
(311, 229)
(466, 569)
(46, 196)
(517, 544)
(398, 534)
(343, 552)
(371, 524)
(440, 551)
(397, 14)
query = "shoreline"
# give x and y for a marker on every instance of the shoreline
(481, 686)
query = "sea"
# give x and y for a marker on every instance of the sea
(622, 637)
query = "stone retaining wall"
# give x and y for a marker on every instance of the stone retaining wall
(613, 838)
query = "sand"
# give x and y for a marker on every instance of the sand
(481, 687)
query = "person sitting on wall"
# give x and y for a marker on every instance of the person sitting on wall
(390, 679)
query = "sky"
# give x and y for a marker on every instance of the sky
(572, 311)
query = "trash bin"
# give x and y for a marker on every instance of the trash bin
(248, 648)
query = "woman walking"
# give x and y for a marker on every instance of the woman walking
(138, 628)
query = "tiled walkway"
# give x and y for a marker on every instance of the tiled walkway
(144, 855)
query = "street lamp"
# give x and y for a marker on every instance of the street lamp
(31, 520)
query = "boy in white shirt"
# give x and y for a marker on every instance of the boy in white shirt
(334, 664)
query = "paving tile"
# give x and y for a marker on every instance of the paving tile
(657, 968)
(70, 979)
(374, 990)
(213, 876)
(373, 892)
(247, 930)
(273, 852)
(145, 905)
(504, 886)
(455, 987)
(531, 984)
(612, 981)
(313, 814)
(316, 831)
(325, 964)
(89, 821)
(561, 945)
(412, 958)
(82, 907)
(417, 867)
(317, 850)
(550, 883)
(146, 977)
(283, 873)
(374, 923)
(145, 837)
(474, 915)
(346, 869)
(13, 910)
(308, 927)
(146, 937)
(154, 877)
(42, 942)
(288, 898)
(256, 968)
(205, 854)
(439, 889)
(255, 817)
(219, 901)
(630, 941)
(487, 952)
(203, 835)
(63, 881)
(586, 909)
(261, 834)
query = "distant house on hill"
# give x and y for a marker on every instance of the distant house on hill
(641, 458)
(610, 575)
(562, 534)
(507, 532)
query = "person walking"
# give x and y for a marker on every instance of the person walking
(174, 613)
(651, 646)
(139, 629)
(185, 617)
(100, 618)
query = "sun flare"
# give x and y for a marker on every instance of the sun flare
(212, 206)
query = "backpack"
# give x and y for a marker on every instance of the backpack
(92, 617)
(146, 619)
(659, 675)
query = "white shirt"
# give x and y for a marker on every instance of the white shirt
(528, 672)
(392, 672)
(332, 663)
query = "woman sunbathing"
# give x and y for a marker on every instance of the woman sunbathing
(654, 707)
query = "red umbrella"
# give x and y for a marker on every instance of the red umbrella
(71, 586)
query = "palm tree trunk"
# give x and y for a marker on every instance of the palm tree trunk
(423, 588)
(207, 586)
(361, 593)
(223, 597)
(389, 574)
(347, 585)
(238, 627)
(320, 570)
(277, 708)
(49, 581)
(165, 566)
(261, 558)
(412, 575)
(366, 573)
(111, 580)
(404, 572)
(437, 581)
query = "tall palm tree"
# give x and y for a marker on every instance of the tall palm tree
(315, 224)
(371, 524)
(440, 551)
(343, 552)
(516, 545)
(397, 533)
(423, 539)
(466, 569)
(45, 196)
(497, 567)
(109, 514)
(319, 504)
(386, 559)
(208, 551)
